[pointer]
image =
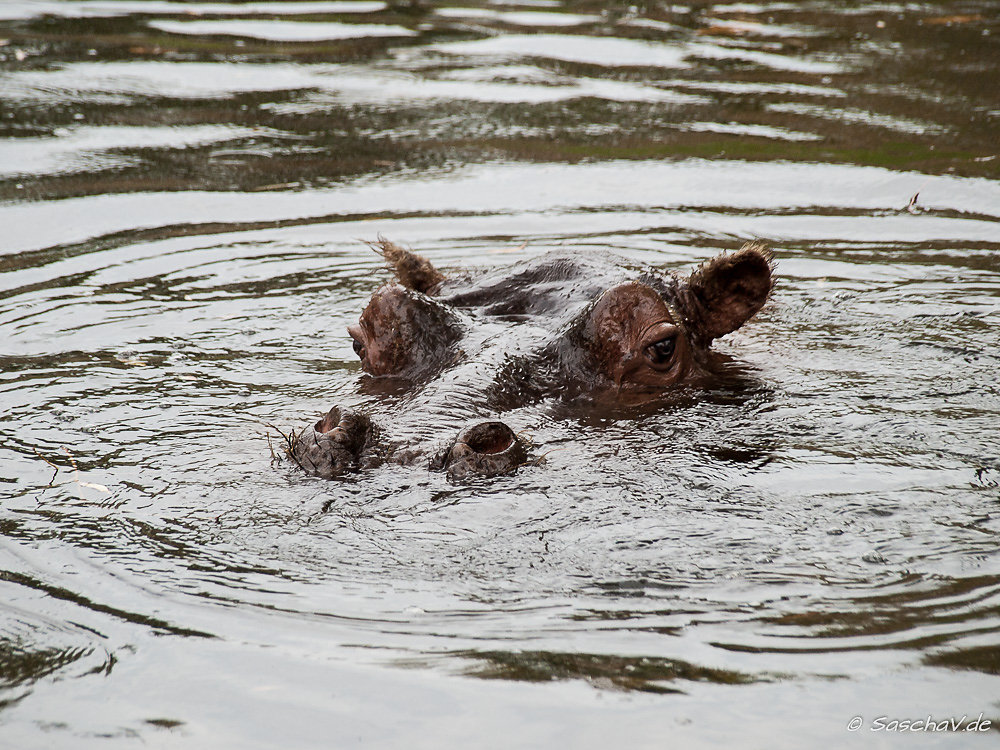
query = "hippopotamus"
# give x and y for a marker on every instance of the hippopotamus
(457, 351)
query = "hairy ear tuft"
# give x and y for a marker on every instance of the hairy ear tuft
(412, 271)
(728, 290)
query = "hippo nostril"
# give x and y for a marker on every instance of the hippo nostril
(335, 444)
(489, 437)
(486, 449)
(329, 421)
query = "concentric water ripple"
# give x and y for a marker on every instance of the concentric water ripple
(186, 190)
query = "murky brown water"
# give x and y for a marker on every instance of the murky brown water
(183, 189)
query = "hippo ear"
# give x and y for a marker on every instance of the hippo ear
(726, 291)
(412, 271)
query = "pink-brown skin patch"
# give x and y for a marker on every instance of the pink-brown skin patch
(403, 332)
(379, 337)
(634, 339)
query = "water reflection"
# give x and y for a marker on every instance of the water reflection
(24, 9)
(615, 672)
(301, 31)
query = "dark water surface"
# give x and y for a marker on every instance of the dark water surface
(813, 538)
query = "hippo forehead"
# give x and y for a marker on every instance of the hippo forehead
(630, 306)
(552, 288)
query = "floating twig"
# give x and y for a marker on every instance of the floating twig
(54, 473)
(541, 459)
(76, 475)
(290, 439)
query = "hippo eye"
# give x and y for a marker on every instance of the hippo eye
(662, 351)
(359, 348)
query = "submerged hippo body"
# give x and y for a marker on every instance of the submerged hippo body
(463, 350)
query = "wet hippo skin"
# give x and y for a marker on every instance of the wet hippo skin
(557, 326)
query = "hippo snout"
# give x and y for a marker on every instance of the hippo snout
(343, 441)
(485, 449)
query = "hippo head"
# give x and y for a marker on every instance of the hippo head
(472, 347)
(651, 333)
